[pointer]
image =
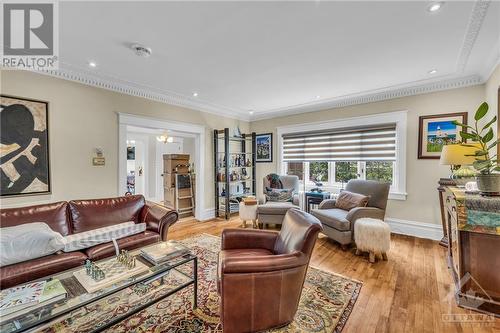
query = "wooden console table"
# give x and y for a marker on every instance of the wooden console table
(473, 231)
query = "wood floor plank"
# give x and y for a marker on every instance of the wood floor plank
(408, 293)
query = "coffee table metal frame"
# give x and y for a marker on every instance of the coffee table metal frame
(162, 269)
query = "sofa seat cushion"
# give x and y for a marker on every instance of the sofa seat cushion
(105, 250)
(275, 208)
(334, 218)
(41, 267)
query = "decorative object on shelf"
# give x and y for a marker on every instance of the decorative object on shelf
(264, 147)
(471, 187)
(237, 132)
(458, 158)
(24, 158)
(488, 178)
(234, 171)
(436, 131)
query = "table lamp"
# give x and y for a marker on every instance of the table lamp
(454, 155)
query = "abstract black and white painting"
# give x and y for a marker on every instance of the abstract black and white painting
(24, 146)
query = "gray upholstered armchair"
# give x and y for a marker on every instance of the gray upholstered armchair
(274, 212)
(338, 224)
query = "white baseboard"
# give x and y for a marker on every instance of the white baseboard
(416, 229)
(207, 214)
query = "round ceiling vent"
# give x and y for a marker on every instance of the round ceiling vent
(141, 50)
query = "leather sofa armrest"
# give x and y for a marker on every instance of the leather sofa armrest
(327, 204)
(158, 218)
(359, 212)
(261, 264)
(248, 239)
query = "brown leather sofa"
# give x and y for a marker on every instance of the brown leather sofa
(261, 273)
(78, 216)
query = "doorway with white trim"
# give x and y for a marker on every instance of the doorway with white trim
(144, 144)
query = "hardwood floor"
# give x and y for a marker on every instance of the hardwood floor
(408, 293)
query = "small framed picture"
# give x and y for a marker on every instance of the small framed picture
(438, 130)
(264, 147)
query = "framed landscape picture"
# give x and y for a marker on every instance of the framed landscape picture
(24, 149)
(436, 131)
(264, 146)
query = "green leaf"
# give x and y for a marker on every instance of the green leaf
(462, 125)
(480, 153)
(488, 136)
(481, 164)
(490, 123)
(466, 135)
(481, 111)
(493, 144)
(497, 168)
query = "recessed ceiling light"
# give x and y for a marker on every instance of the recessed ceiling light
(92, 64)
(250, 112)
(318, 96)
(435, 6)
(433, 71)
(195, 94)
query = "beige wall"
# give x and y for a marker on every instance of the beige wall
(492, 96)
(421, 175)
(82, 118)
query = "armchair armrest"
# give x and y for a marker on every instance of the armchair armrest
(248, 239)
(327, 204)
(359, 212)
(158, 218)
(263, 263)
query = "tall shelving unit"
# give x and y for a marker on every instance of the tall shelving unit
(234, 170)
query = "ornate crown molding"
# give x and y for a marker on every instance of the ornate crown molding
(373, 96)
(475, 22)
(67, 72)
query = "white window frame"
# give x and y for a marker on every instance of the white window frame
(398, 188)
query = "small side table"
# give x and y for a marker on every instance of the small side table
(248, 212)
(315, 198)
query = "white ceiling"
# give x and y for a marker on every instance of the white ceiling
(276, 57)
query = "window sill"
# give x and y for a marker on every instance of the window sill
(401, 196)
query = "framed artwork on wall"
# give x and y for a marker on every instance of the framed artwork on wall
(436, 131)
(24, 153)
(264, 147)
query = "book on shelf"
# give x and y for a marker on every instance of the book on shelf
(41, 293)
(163, 251)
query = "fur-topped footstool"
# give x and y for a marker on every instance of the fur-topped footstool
(373, 236)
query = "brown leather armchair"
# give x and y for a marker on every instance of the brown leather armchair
(261, 273)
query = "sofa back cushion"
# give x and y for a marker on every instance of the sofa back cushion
(97, 213)
(53, 214)
(378, 192)
(298, 233)
(349, 200)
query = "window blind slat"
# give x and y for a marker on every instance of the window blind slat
(348, 144)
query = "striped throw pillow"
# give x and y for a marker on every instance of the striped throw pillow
(84, 240)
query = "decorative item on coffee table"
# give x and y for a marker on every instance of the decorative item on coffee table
(95, 276)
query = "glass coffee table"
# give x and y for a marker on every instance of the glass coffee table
(82, 311)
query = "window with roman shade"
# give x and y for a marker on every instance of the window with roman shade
(364, 143)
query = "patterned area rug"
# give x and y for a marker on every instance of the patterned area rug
(326, 303)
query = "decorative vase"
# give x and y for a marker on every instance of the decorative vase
(489, 184)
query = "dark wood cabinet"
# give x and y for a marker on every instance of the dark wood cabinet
(473, 231)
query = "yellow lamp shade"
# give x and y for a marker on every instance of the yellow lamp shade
(455, 154)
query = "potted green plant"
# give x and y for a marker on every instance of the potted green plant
(488, 178)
